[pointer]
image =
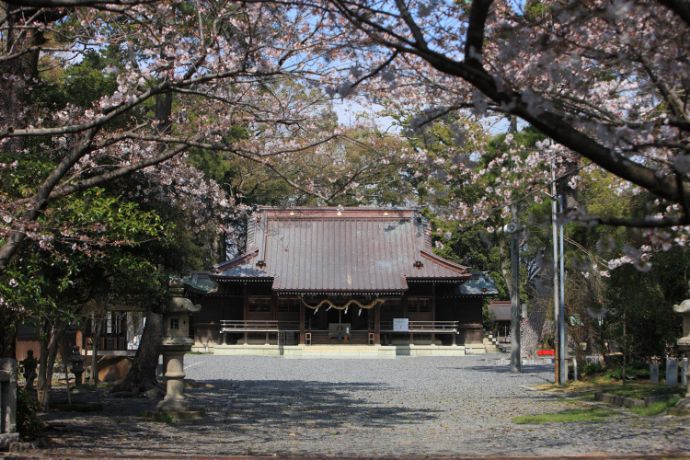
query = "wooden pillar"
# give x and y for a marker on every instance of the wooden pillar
(245, 307)
(301, 322)
(377, 324)
(245, 301)
(433, 309)
(274, 316)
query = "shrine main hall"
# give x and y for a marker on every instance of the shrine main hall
(354, 281)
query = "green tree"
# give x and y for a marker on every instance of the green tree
(94, 249)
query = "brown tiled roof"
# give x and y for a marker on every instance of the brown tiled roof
(340, 250)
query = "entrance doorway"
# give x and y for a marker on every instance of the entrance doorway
(336, 326)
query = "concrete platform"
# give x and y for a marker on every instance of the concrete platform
(430, 350)
(246, 350)
(339, 351)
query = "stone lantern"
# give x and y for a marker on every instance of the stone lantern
(77, 361)
(683, 309)
(176, 342)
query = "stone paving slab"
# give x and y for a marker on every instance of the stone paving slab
(417, 407)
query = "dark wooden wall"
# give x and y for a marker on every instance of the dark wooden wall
(256, 301)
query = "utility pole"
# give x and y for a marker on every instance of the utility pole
(513, 229)
(556, 297)
(563, 368)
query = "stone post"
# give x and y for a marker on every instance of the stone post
(683, 309)
(176, 342)
(671, 370)
(8, 402)
(684, 371)
(654, 370)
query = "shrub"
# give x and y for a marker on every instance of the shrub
(632, 371)
(592, 369)
(29, 425)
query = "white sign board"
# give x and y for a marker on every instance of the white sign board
(401, 325)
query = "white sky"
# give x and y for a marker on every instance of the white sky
(354, 111)
(351, 111)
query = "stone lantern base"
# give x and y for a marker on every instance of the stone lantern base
(174, 403)
(683, 406)
(683, 309)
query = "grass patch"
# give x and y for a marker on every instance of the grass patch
(587, 396)
(642, 390)
(665, 397)
(657, 407)
(638, 390)
(590, 414)
(592, 383)
(160, 417)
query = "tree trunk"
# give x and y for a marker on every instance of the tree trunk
(142, 375)
(16, 75)
(96, 326)
(625, 349)
(50, 339)
(8, 334)
(17, 72)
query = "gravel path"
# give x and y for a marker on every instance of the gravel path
(338, 407)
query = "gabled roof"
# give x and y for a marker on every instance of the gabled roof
(330, 250)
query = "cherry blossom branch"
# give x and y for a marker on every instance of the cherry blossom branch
(680, 7)
(474, 43)
(93, 181)
(530, 107)
(40, 198)
(674, 103)
(76, 3)
(30, 49)
(419, 40)
(110, 113)
(228, 148)
(376, 71)
(647, 222)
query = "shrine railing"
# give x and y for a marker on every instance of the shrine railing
(415, 327)
(229, 326)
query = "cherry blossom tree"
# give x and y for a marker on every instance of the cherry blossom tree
(191, 73)
(605, 80)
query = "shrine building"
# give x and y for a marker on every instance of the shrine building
(361, 281)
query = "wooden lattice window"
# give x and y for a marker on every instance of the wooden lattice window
(259, 304)
(288, 305)
(419, 305)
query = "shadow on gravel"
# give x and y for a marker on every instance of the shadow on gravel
(247, 404)
(235, 412)
(496, 369)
